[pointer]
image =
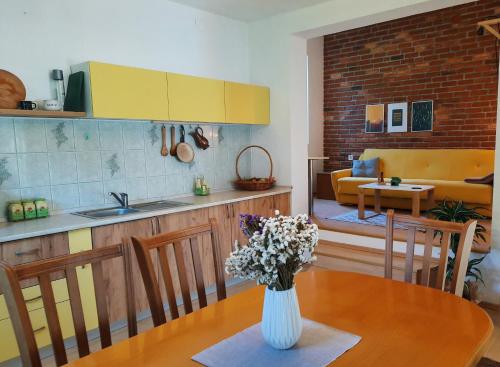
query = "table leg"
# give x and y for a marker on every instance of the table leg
(361, 204)
(415, 204)
(377, 201)
(430, 199)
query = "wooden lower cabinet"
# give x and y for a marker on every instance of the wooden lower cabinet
(113, 269)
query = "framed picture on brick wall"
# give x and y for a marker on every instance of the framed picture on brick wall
(422, 116)
(374, 118)
(397, 117)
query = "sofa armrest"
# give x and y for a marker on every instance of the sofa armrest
(336, 175)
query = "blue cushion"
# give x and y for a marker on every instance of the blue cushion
(368, 168)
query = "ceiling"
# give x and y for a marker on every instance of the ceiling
(249, 10)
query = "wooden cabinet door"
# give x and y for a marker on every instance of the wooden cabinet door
(128, 93)
(178, 221)
(113, 269)
(282, 203)
(195, 99)
(246, 103)
(224, 216)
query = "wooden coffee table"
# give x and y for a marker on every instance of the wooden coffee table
(378, 188)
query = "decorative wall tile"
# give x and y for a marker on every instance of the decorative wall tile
(135, 163)
(175, 185)
(133, 135)
(30, 136)
(110, 133)
(87, 135)
(9, 177)
(113, 165)
(155, 162)
(8, 143)
(33, 169)
(65, 197)
(91, 193)
(62, 168)
(89, 166)
(152, 134)
(86, 159)
(156, 187)
(60, 135)
(37, 192)
(137, 188)
(113, 186)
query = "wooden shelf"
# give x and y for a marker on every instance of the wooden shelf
(40, 113)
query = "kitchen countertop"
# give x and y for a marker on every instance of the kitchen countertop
(69, 222)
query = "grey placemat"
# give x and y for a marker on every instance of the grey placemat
(318, 346)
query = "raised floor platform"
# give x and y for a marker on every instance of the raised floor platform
(325, 209)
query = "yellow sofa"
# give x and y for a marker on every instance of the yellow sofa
(446, 169)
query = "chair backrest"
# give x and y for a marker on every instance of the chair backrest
(160, 242)
(443, 232)
(11, 276)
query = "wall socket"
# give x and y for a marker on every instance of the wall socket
(350, 157)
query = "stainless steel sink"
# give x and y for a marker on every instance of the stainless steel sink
(108, 212)
(136, 208)
(157, 205)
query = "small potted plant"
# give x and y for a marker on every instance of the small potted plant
(457, 211)
(395, 181)
(277, 249)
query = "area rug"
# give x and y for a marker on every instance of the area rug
(486, 362)
(371, 219)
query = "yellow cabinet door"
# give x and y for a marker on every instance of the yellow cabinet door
(33, 297)
(121, 92)
(81, 240)
(246, 104)
(197, 99)
(8, 343)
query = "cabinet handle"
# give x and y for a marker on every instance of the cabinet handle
(29, 252)
(39, 329)
(232, 210)
(33, 299)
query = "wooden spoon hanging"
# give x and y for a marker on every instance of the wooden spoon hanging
(173, 147)
(164, 150)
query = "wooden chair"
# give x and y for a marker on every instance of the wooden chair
(11, 276)
(433, 228)
(160, 242)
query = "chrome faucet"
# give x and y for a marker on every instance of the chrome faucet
(122, 199)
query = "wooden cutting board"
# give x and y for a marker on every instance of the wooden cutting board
(12, 90)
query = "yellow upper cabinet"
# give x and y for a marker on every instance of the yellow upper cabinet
(197, 99)
(129, 93)
(246, 103)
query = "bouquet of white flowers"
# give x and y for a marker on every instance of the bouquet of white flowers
(278, 247)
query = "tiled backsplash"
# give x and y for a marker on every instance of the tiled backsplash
(75, 163)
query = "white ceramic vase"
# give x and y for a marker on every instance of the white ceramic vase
(281, 321)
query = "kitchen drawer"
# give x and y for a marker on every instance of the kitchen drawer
(22, 251)
(36, 248)
(8, 344)
(33, 297)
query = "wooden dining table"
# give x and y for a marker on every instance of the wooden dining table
(400, 325)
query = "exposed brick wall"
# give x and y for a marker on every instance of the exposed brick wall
(433, 56)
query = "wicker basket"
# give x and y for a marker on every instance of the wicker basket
(254, 184)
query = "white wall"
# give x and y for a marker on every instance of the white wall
(275, 55)
(491, 265)
(315, 61)
(38, 36)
